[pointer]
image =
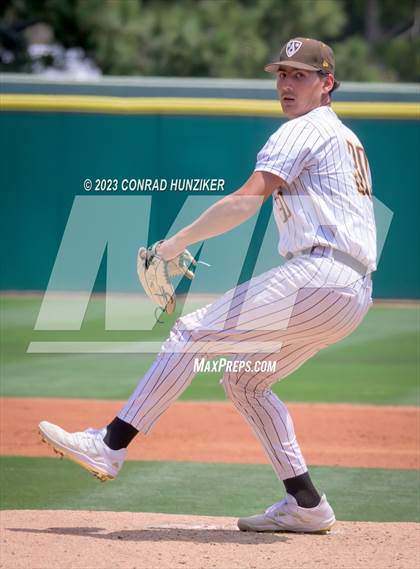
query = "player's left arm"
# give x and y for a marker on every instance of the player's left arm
(225, 214)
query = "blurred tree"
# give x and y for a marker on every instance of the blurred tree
(205, 37)
(398, 44)
(353, 62)
(210, 38)
(373, 39)
(114, 34)
(390, 31)
(283, 19)
(403, 56)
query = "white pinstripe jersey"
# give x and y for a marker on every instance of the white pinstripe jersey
(328, 196)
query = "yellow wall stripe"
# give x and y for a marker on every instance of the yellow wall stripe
(193, 106)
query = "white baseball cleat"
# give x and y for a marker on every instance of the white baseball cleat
(86, 448)
(288, 516)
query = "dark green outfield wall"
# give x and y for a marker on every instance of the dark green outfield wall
(46, 157)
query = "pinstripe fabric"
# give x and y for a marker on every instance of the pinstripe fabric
(311, 154)
(285, 315)
(289, 313)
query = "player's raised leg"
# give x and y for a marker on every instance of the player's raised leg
(103, 451)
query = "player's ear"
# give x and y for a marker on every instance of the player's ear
(328, 82)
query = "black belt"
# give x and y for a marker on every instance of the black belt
(340, 256)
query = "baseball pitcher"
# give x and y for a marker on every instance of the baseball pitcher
(316, 172)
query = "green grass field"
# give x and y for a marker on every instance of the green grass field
(378, 364)
(202, 489)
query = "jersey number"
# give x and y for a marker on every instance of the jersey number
(360, 169)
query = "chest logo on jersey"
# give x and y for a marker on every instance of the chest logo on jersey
(292, 47)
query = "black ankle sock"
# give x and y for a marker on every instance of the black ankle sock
(303, 490)
(119, 434)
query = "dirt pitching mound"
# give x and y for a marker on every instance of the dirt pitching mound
(105, 540)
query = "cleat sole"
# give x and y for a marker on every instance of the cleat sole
(96, 473)
(245, 527)
(315, 532)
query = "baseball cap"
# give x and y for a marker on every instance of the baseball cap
(305, 53)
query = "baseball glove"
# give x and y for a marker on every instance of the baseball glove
(155, 274)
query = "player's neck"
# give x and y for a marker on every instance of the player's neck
(327, 103)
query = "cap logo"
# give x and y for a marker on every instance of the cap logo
(292, 47)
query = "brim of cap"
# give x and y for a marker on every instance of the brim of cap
(274, 67)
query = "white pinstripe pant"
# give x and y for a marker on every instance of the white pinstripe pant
(285, 315)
